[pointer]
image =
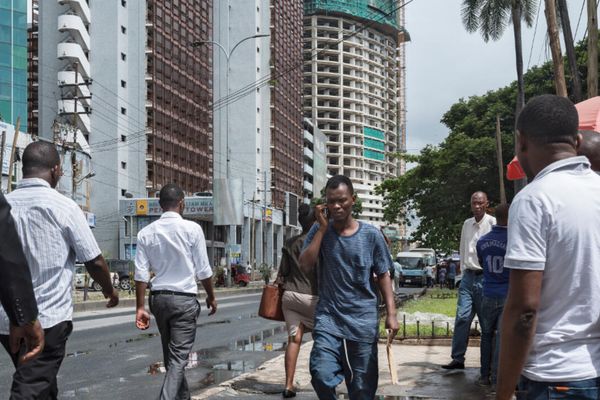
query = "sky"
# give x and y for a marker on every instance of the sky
(445, 63)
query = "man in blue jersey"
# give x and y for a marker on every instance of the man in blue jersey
(491, 249)
(349, 253)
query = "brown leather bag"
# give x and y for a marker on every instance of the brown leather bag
(270, 303)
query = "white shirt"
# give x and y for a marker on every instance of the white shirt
(54, 233)
(470, 234)
(175, 250)
(554, 226)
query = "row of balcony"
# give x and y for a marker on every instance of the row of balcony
(69, 107)
(81, 7)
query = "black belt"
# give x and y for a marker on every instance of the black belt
(475, 271)
(154, 292)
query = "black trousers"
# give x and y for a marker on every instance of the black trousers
(36, 379)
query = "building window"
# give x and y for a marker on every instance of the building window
(123, 111)
(123, 191)
(123, 84)
(123, 56)
(124, 3)
(123, 138)
(123, 165)
(123, 29)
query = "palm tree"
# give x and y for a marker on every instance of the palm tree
(490, 18)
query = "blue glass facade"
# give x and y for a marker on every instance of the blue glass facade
(13, 61)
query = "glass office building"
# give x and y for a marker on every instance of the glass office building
(13, 61)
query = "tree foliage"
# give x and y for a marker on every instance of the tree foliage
(436, 193)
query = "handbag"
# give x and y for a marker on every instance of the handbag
(270, 303)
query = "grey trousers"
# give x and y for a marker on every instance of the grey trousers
(176, 320)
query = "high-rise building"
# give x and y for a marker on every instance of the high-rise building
(90, 89)
(257, 50)
(286, 99)
(179, 95)
(13, 62)
(32, 70)
(354, 90)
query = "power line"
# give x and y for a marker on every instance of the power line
(534, 33)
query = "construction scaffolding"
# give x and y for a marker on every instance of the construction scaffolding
(379, 11)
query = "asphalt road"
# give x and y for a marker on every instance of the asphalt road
(108, 358)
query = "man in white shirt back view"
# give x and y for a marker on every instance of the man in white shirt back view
(54, 234)
(173, 249)
(550, 341)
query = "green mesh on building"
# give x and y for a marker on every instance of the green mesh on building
(373, 133)
(371, 10)
(374, 144)
(373, 155)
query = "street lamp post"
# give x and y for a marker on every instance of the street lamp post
(228, 54)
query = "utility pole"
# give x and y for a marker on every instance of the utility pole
(2, 146)
(12, 154)
(592, 47)
(557, 60)
(253, 237)
(570, 49)
(500, 163)
(264, 217)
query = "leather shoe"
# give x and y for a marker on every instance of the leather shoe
(454, 365)
(288, 393)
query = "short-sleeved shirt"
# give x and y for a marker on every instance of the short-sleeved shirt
(175, 250)
(491, 249)
(347, 306)
(471, 231)
(554, 227)
(294, 279)
(54, 233)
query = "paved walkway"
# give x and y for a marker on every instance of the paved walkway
(419, 374)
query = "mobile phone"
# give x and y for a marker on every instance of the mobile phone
(326, 212)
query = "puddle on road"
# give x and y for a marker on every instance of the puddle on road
(222, 370)
(79, 353)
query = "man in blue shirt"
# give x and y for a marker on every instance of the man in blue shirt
(350, 255)
(491, 249)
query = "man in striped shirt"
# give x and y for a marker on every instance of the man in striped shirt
(54, 233)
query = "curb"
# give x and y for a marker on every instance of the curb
(125, 303)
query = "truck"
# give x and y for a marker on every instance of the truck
(413, 265)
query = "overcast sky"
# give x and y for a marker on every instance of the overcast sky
(445, 63)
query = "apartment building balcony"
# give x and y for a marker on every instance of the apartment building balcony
(308, 153)
(70, 78)
(308, 186)
(68, 107)
(81, 7)
(75, 53)
(308, 136)
(308, 169)
(74, 24)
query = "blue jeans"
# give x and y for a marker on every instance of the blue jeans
(470, 293)
(332, 360)
(491, 314)
(577, 390)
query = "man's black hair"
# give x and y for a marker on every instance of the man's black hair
(335, 181)
(501, 213)
(39, 156)
(170, 195)
(306, 217)
(549, 119)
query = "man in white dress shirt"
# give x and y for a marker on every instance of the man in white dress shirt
(173, 249)
(470, 292)
(54, 233)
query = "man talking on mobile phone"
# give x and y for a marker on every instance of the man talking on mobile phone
(349, 253)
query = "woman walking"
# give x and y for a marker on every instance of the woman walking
(299, 297)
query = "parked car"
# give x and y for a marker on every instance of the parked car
(125, 270)
(413, 267)
(79, 279)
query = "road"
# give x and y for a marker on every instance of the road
(108, 358)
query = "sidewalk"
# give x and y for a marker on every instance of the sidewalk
(419, 374)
